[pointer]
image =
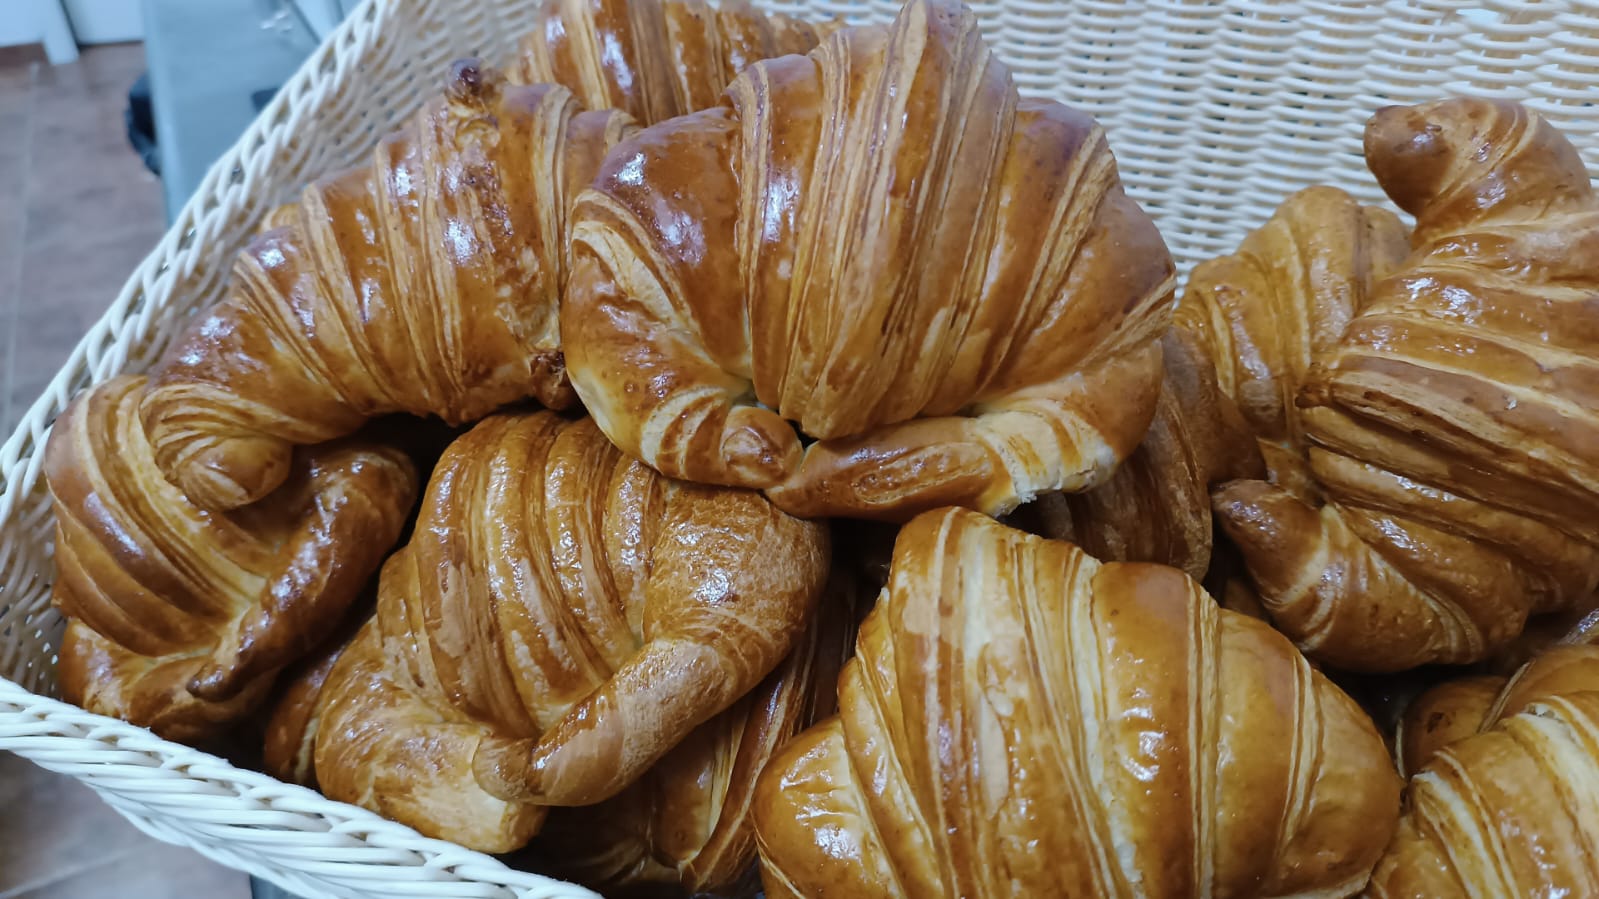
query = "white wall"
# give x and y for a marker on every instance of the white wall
(105, 21)
(39, 21)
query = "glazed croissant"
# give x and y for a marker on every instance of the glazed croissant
(1156, 507)
(427, 280)
(424, 282)
(561, 619)
(1506, 798)
(942, 283)
(1452, 484)
(653, 59)
(1263, 315)
(686, 823)
(179, 618)
(1021, 720)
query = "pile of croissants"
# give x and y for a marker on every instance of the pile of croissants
(713, 452)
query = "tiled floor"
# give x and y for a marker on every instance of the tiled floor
(77, 213)
(78, 210)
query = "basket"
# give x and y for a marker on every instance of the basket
(1216, 109)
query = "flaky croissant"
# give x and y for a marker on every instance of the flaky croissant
(1156, 507)
(1021, 720)
(561, 619)
(942, 283)
(179, 618)
(686, 823)
(1506, 798)
(653, 59)
(427, 281)
(423, 282)
(1452, 484)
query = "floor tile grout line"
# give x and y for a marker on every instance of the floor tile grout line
(14, 313)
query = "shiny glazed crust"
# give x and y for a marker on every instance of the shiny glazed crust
(424, 282)
(1446, 440)
(561, 619)
(1506, 798)
(960, 315)
(180, 618)
(653, 59)
(1020, 719)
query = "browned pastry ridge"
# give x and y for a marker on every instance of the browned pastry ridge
(426, 280)
(1022, 720)
(180, 618)
(653, 59)
(943, 284)
(688, 821)
(1450, 482)
(1246, 332)
(1156, 507)
(683, 824)
(561, 619)
(1505, 798)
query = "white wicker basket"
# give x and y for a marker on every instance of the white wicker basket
(1216, 109)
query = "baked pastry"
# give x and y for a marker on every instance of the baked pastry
(1264, 314)
(561, 619)
(685, 825)
(1504, 799)
(423, 282)
(653, 59)
(1022, 720)
(427, 280)
(1156, 507)
(288, 750)
(943, 284)
(179, 618)
(1452, 431)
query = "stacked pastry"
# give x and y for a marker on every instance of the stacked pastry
(696, 287)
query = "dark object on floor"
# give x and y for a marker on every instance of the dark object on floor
(260, 889)
(262, 97)
(141, 124)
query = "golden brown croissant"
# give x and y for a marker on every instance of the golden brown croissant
(1453, 443)
(1021, 720)
(1156, 507)
(427, 281)
(1506, 798)
(686, 824)
(943, 283)
(423, 282)
(180, 618)
(288, 749)
(653, 59)
(1264, 314)
(561, 619)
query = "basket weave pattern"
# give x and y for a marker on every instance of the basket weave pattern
(1217, 109)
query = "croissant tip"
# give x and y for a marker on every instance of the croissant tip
(1241, 508)
(469, 79)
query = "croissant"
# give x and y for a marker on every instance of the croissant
(686, 823)
(424, 282)
(1504, 802)
(1022, 720)
(179, 618)
(288, 750)
(1156, 507)
(653, 59)
(561, 619)
(1451, 432)
(943, 284)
